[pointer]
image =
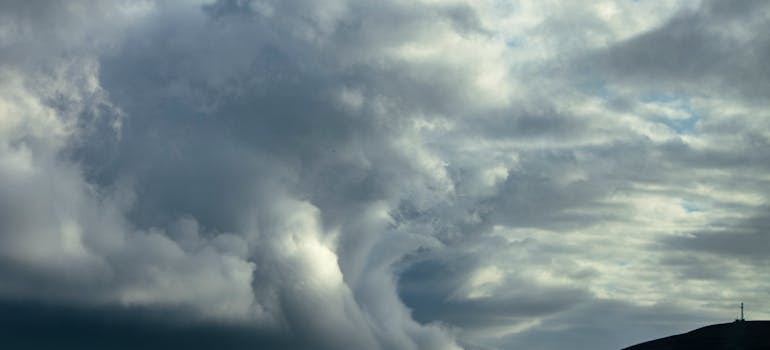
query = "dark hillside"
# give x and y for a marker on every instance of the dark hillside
(746, 335)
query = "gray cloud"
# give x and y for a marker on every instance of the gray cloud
(714, 49)
(745, 239)
(434, 288)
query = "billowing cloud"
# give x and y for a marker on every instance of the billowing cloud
(381, 175)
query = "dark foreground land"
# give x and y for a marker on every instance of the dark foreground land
(746, 335)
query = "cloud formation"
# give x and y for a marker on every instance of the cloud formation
(382, 175)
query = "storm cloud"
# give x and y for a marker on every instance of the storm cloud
(380, 174)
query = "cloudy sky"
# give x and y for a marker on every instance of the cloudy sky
(367, 174)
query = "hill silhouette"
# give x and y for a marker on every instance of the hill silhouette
(743, 335)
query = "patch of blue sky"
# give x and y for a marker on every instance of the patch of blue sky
(691, 207)
(596, 87)
(662, 98)
(682, 126)
(514, 42)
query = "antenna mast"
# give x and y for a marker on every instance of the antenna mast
(742, 319)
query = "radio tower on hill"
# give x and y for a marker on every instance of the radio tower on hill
(742, 319)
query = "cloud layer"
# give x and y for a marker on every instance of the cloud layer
(382, 175)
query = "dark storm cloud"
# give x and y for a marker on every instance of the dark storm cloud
(232, 166)
(281, 128)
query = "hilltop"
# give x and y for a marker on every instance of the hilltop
(739, 335)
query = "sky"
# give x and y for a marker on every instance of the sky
(367, 174)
